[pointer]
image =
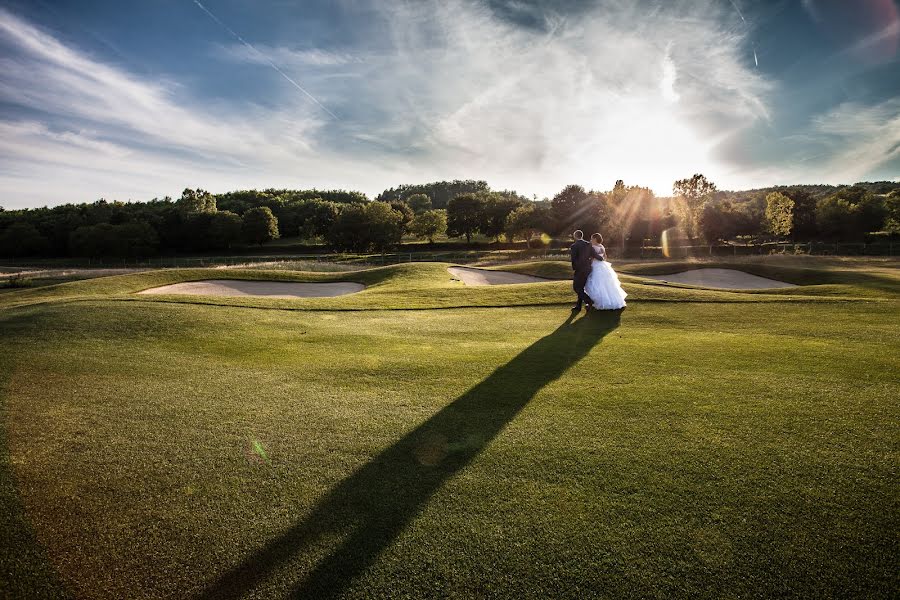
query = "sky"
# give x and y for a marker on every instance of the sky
(141, 99)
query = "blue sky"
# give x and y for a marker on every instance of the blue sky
(135, 100)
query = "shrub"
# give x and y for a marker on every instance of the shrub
(17, 281)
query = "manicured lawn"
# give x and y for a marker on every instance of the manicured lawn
(701, 444)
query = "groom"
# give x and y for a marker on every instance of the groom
(581, 252)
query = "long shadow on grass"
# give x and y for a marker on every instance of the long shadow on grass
(371, 507)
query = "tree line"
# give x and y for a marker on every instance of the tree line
(199, 221)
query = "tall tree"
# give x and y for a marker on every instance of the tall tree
(440, 192)
(892, 204)
(22, 239)
(465, 214)
(314, 217)
(196, 201)
(429, 224)
(779, 213)
(419, 203)
(363, 227)
(260, 225)
(871, 212)
(405, 212)
(224, 230)
(835, 218)
(692, 193)
(385, 225)
(574, 208)
(526, 221)
(497, 208)
(804, 221)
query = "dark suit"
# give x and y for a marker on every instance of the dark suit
(581, 253)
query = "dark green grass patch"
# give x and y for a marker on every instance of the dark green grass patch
(691, 449)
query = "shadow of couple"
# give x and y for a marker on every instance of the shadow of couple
(371, 507)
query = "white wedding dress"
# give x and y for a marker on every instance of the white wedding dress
(603, 285)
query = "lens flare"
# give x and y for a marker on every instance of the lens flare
(256, 452)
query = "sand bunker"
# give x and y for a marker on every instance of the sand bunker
(729, 279)
(269, 289)
(471, 276)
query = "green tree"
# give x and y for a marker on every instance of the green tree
(834, 218)
(526, 221)
(497, 208)
(721, 221)
(223, 230)
(440, 192)
(259, 225)
(574, 208)
(779, 213)
(349, 232)
(106, 240)
(316, 217)
(804, 220)
(135, 239)
(871, 213)
(429, 224)
(196, 202)
(22, 239)
(692, 194)
(892, 204)
(631, 209)
(465, 214)
(364, 227)
(405, 212)
(419, 203)
(385, 226)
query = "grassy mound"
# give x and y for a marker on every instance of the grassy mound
(430, 286)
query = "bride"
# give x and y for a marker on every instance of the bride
(603, 286)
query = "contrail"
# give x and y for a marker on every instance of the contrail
(741, 15)
(735, 8)
(264, 57)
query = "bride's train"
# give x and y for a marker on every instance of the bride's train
(603, 287)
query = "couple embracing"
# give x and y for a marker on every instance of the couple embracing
(595, 281)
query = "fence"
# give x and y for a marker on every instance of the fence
(810, 248)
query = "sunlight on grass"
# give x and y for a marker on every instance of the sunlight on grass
(710, 443)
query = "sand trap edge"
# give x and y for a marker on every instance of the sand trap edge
(723, 279)
(235, 288)
(475, 277)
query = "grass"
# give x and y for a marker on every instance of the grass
(702, 444)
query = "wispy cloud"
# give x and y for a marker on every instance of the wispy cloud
(859, 139)
(74, 111)
(265, 59)
(287, 57)
(582, 101)
(431, 89)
